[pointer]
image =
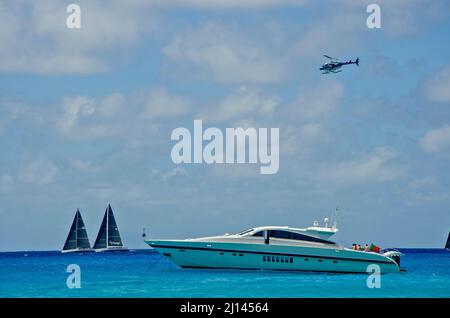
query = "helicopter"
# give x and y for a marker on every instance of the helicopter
(334, 65)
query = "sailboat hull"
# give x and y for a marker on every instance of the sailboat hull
(78, 250)
(111, 249)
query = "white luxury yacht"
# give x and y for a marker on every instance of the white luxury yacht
(275, 248)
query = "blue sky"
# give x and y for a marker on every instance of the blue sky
(86, 116)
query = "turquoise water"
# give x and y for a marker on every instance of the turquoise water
(144, 273)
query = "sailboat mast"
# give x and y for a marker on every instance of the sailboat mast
(447, 245)
(107, 226)
(76, 230)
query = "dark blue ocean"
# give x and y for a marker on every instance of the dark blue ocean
(144, 273)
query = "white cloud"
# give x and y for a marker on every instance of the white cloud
(373, 167)
(305, 131)
(35, 37)
(341, 27)
(83, 166)
(422, 183)
(111, 105)
(426, 189)
(436, 140)
(317, 102)
(177, 171)
(401, 18)
(159, 104)
(437, 87)
(91, 118)
(237, 172)
(243, 103)
(154, 174)
(337, 32)
(300, 140)
(11, 110)
(224, 4)
(40, 171)
(225, 55)
(7, 183)
(74, 109)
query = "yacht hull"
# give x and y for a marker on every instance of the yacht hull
(219, 255)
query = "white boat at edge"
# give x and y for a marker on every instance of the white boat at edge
(275, 248)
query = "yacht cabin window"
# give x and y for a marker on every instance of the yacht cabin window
(245, 232)
(290, 236)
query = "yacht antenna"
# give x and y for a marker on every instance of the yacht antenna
(143, 233)
(335, 217)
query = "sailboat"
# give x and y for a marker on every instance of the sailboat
(447, 246)
(77, 240)
(108, 238)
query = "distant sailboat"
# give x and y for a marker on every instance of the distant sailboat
(77, 240)
(108, 238)
(447, 246)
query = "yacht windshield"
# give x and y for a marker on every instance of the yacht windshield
(245, 232)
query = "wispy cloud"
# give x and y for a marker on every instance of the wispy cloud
(317, 102)
(84, 166)
(7, 183)
(91, 118)
(437, 86)
(35, 37)
(220, 4)
(40, 171)
(376, 166)
(436, 140)
(224, 54)
(159, 104)
(243, 103)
